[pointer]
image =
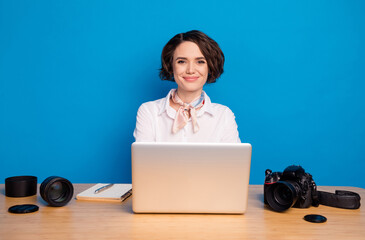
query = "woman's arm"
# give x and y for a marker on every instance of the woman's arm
(230, 132)
(145, 129)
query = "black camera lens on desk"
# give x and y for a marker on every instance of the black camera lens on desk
(56, 191)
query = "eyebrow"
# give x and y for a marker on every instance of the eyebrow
(184, 58)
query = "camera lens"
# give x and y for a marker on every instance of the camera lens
(282, 195)
(56, 191)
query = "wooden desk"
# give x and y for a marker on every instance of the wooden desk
(105, 220)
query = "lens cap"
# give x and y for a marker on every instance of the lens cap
(314, 218)
(24, 208)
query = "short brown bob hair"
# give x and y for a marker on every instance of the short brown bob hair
(209, 48)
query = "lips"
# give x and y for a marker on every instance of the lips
(191, 79)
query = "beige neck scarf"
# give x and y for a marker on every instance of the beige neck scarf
(182, 114)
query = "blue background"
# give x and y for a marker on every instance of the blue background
(73, 74)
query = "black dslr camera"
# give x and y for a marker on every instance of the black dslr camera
(291, 188)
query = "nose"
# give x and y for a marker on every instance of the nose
(190, 69)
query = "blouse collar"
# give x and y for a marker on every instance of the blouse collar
(165, 106)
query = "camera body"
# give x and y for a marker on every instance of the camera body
(291, 188)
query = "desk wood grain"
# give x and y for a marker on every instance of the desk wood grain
(108, 220)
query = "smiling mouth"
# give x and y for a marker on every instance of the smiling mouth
(191, 79)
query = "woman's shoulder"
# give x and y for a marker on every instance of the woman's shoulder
(152, 106)
(156, 105)
(152, 103)
(217, 107)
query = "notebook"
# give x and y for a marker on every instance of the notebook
(118, 192)
(190, 177)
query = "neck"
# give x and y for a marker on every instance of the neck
(188, 97)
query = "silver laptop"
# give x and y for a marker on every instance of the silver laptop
(190, 177)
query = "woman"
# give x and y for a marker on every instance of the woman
(186, 114)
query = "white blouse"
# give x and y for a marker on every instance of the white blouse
(155, 119)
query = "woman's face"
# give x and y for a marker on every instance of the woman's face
(190, 69)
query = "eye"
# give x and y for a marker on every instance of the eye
(201, 62)
(180, 61)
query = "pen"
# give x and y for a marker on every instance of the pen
(126, 195)
(103, 188)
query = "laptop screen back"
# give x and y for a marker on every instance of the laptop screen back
(190, 177)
